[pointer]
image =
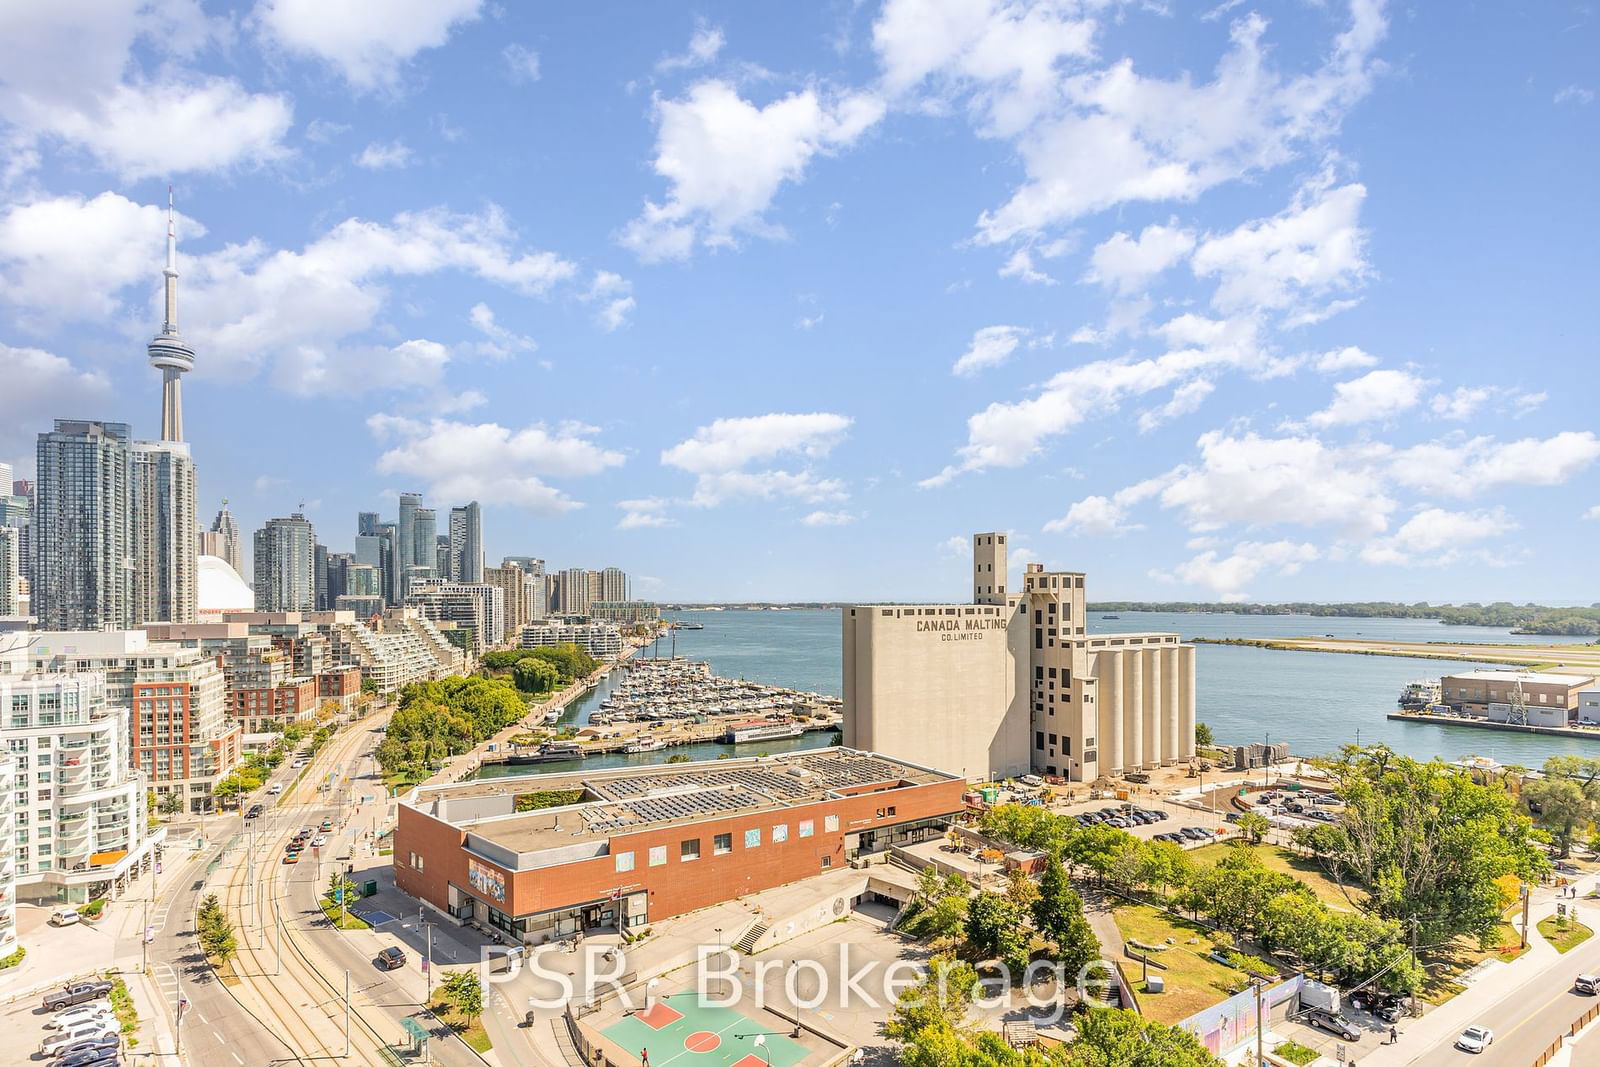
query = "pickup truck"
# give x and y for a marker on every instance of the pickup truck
(76, 993)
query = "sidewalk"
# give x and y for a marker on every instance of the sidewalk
(1503, 982)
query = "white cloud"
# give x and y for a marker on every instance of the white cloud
(367, 43)
(704, 45)
(39, 386)
(1465, 402)
(644, 513)
(1575, 94)
(1126, 265)
(501, 342)
(1186, 399)
(614, 296)
(1228, 575)
(1250, 480)
(1020, 266)
(394, 155)
(322, 131)
(1009, 434)
(1379, 394)
(486, 461)
(1467, 467)
(1593, 513)
(1092, 515)
(67, 71)
(720, 455)
(991, 346)
(1314, 248)
(522, 63)
(66, 258)
(726, 158)
(1091, 139)
(828, 518)
(1436, 537)
(808, 322)
(1343, 359)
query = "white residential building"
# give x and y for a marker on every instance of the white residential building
(600, 640)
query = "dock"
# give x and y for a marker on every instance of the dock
(1568, 655)
(1587, 733)
(712, 731)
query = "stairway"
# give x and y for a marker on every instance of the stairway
(748, 941)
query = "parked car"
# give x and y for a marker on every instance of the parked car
(99, 1046)
(63, 1038)
(106, 1056)
(65, 917)
(1232, 816)
(77, 993)
(1334, 1024)
(1475, 1039)
(1379, 1004)
(1031, 779)
(1193, 833)
(391, 958)
(1587, 984)
(83, 1013)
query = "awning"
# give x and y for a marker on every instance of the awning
(107, 859)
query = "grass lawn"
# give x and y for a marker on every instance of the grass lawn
(1282, 860)
(1193, 982)
(1295, 1052)
(330, 908)
(474, 1035)
(1574, 935)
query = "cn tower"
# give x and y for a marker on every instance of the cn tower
(167, 351)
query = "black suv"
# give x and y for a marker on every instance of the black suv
(1383, 1005)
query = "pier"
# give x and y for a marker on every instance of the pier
(1571, 655)
(1588, 733)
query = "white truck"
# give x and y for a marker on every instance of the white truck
(1315, 995)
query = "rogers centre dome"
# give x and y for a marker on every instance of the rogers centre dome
(221, 588)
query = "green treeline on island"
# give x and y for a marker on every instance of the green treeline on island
(1523, 618)
(439, 719)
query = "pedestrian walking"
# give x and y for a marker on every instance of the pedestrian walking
(644, 1057)
(1394, 1036)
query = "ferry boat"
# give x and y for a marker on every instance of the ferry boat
(561, 748)
(745, 732)
(1420, 694)
(645, 744)
(1111, 616)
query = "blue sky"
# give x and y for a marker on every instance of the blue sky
(1250, 300)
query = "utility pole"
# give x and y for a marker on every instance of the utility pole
(278, 969)
(1260, 1057)
(427, 968)
(1527, 899)
(347, 1014)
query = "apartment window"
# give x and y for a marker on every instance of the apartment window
(807, 827)
(827, 861)
(689, 850)
(722, 844)
(780, 833)
(658, 855)
(416, 861)
(1052, 739)
(752, 837)
(890, 810)
(624, 862)
(1038, 739)
(830, 823)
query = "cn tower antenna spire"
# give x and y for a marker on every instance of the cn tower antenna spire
(168, 353)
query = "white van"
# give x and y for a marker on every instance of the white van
(65, 917)
(275, 789)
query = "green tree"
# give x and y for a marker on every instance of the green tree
(1253, 826)
(1561, 808)
(463, 992)
(171, 802)
(535, 676)
(1427, 842)
(215, 931)
(1058, 913)
(939, 1001)
(678, 757)
(995, 929)
(1202, 735)
(1111, 1037)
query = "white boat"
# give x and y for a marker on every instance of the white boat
(645, 744)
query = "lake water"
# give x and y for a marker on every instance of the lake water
(1316, 701)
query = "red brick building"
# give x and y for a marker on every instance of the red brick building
(627, 846)
(270, 708)
(342, 685)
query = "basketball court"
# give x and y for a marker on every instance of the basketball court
(680, 1031)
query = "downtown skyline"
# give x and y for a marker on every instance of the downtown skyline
(1220, 304)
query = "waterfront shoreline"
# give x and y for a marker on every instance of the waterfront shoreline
(1489, 724)
(1537, 656)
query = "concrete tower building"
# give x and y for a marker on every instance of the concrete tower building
(83, 527)
(613, 585)
(226, 540)
(10, 569)
(405, 533)
(165, 573)
(285, 565)
(466, 543)
(168, 352)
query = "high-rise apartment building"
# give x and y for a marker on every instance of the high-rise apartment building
(441, 557)
(406, 532)
(366, 523)
(319, 575)
(573, 585)
(613, 585)
(425, 541)
(16, 513)
(285, 565)
(10, 571)
(539, 608)
(389, 539)
(522, 593)
(466, 543)
(475, 607)
(83, 527)
(165, 542)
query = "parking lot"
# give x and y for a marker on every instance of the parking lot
(24, 1025)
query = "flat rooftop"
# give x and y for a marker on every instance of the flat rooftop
(1547, 677)
(623, 800)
